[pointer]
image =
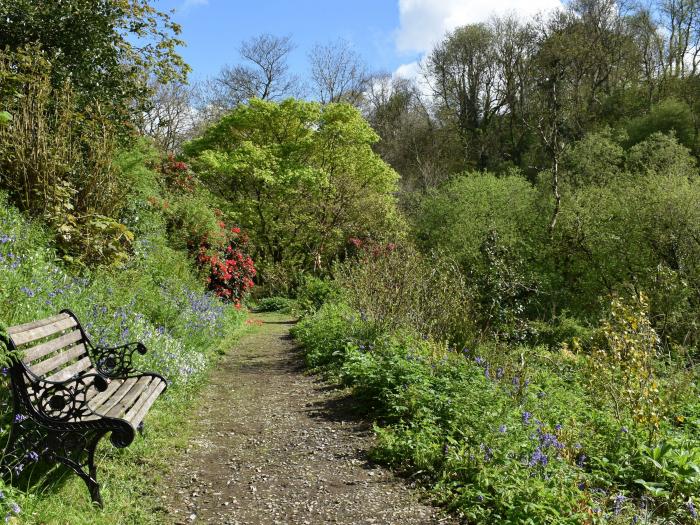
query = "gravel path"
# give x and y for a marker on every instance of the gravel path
(276, 446)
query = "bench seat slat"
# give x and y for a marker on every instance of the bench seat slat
(39, 351)
(71, 371)
(130, 398)
(95, 398)
(36, 324)
(136, 416)
(108, 402)
(33, 334)
(66, 356)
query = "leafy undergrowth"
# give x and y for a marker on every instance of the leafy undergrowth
(157, 298)
(514, 434)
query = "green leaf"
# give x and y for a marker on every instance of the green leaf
(5, 117)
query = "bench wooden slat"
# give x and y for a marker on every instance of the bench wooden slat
(39, 351)
(135, 417)
(95, 398)
(71, 371)
(112, 400)
(64, 357)
(36, 324)
(130, 398)
(33, 334)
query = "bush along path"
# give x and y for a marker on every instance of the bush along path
(274, 445)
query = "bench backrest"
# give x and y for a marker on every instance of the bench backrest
(52, 349)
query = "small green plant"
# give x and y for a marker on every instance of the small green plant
(274, 304)
(624, 367)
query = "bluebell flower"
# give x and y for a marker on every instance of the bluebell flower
(28, 291)
(502, 429)
(691, 508)
(538, 458)
(526, 417)
(619, 500)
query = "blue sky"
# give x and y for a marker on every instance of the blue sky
(390, 35)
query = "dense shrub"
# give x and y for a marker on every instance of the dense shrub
(56, 162)
(395, 285)
(313, 293)
(230, 270)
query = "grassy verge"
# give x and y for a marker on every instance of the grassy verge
(157, 297)
(132, 479)
(522, 435)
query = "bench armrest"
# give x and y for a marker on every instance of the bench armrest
(63, 401)
(116, 362)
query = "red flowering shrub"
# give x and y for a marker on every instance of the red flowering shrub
(178, 175)
(231, 272)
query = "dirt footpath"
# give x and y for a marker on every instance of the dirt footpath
(276, 446)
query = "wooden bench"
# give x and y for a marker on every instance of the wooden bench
(69, 393)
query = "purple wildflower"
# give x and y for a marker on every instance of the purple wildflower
(538, 458)
(619, 500)
(502, 429)
(526, 417)
(691, 508)
(28, 291)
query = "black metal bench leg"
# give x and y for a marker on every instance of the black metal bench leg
(93, 485)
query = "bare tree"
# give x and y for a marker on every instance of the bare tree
(171, 115)
(338, 73)
(264, 74)
(681, 22)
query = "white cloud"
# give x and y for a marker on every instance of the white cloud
(424, 22)
(410, 70)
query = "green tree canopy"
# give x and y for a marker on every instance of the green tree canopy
(106, 48)
(302, 178)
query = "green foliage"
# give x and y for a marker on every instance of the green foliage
(596, 159)
(518, 435)
(325, 334)
(394, 286)
(301, 178)
(56, 163)
(670, 116)
(314, 293)
(661, 154)
(104, 48)
(274, 304)
(461, 215)
(639, 232)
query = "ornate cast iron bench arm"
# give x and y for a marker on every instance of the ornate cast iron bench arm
(116, 362)
(60, 401)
